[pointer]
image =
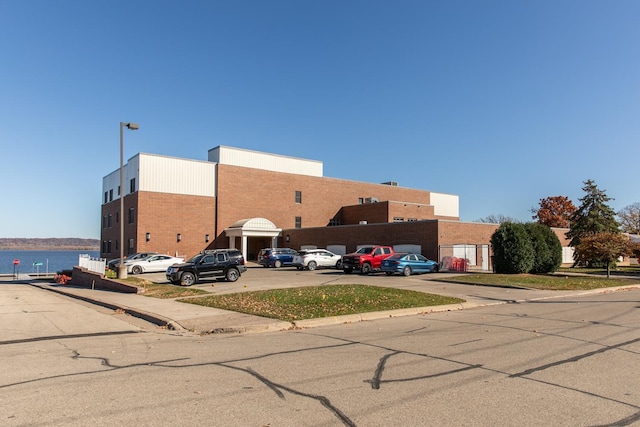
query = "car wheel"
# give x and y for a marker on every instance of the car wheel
(232, 275)
(388, 273)
(434, 269)
(407, 271)
(312, 265)
(277, 264)
(187, 279)
(348, 270)
(175, 283)
(339, 265)
(136, 269)
(366, 269)
(299, 268)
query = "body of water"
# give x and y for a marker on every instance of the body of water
(52, 261)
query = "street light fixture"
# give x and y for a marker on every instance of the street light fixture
(122, 269)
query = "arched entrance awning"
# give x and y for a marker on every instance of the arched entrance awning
(251, 227)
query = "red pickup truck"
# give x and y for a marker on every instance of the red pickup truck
(366, 259)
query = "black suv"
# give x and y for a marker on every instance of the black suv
(227, 263)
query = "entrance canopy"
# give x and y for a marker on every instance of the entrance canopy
(252, 227)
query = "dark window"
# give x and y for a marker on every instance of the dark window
(298, 196)
(117, 217)
(131, 215)
(132, 186)
(360, 200)
(109, 247)
(117, 246)
(111, 195)
(104, 222)
(333, 222)
(298, 222)
(412, 219)
(104, 247)
(118, 190)
(109, 221)
(106, 197)
(130, 246)
(398, 219)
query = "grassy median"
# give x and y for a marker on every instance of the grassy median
(321, 301)
(556, 281)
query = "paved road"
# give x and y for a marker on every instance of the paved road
(570, 362)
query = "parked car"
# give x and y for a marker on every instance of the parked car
(227, 263)
(114, 263)
(366, 259)
(408, 264)
(314, 258)
(275, 257)
(151, 263)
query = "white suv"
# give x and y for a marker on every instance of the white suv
(314, 258)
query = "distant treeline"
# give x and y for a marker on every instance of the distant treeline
(49, 244)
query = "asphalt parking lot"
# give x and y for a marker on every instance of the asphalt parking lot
(260, 278)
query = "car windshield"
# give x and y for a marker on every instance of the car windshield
(365, 250)
(196, 258)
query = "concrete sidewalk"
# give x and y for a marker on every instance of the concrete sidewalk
(206, 320)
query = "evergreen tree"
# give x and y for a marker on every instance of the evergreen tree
(593, 216)
(513, 251)
(547, 248)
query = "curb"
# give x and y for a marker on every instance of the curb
(154, 318)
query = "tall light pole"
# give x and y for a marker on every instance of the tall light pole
(122, 269)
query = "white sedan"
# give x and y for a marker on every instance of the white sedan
(152, 263)
(314, 258)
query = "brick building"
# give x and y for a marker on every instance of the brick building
(251, 200)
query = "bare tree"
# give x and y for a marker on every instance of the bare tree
(497, 219)
(629, 218)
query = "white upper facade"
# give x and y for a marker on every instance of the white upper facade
(265, 161)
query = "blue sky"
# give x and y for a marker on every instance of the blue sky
(500, 102)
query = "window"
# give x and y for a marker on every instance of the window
(104, 222)
(111, 195)
(360, 200)
(109, 247)
(398, 219)
(131, 215)
(104, 246)
(117, 246)
(130, 246)
(106, 197)
(118, 190)
(333, 222)
(132, 185)
(298, 222)
(109, 220)
(412, 219)
(298, 197)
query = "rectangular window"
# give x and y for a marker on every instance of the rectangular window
(298, 222)
(117, 217)
(333, 222)
(398, 219)
(111, 195)
(109, 247)
(117, 246)
(360, 200)
(106, 197)
(109, 221)
(298, 196)
(132, 186)
(118, 190)
(130, 246)
(131, 215)
(104, 246)
(104, 222)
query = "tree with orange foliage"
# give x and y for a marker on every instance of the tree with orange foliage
(605, 247)
(554, 211)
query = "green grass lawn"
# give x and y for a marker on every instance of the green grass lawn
(321, 301)
(558, 281)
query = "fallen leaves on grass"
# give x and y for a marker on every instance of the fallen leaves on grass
(321, 301)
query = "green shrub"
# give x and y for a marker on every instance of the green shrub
(513, 252)
(547, 249)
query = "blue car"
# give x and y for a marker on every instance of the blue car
(408, 264)
(276, 257)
